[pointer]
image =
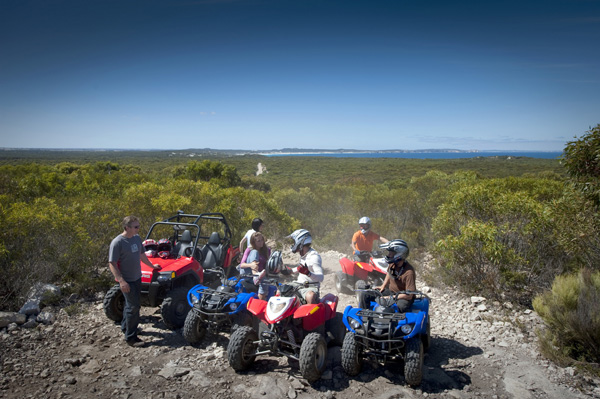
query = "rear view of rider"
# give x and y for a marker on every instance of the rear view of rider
(363, 239)
(310, 268)
(400, 276)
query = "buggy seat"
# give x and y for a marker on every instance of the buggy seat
(184, 242)
(212, 252)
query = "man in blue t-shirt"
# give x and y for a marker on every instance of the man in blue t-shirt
(124, 256)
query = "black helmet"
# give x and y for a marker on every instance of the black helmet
(397, 250)
(274, 263)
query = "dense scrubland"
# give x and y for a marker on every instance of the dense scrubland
(519, 229)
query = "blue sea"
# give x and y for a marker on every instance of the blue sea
(422, 155)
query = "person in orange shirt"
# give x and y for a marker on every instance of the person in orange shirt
(363, 239)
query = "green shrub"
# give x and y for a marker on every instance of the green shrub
(498, 236)
(571, 312)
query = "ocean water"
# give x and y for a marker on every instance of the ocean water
(423, 155)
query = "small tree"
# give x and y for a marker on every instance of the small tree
(581, 158)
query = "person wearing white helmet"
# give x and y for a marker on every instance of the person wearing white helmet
(310, 268)
(364, 238)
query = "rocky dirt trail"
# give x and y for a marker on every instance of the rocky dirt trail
(479, 350)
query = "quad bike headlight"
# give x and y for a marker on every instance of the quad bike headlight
(407, 328)
(233, 306)
(355, 324)
(195, 299)
(276, 307)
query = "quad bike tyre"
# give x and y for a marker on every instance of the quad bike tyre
(240, 319)
(359, 285)
(175, 308)
(427, 338)
(114, 303)
(341, 283)
(313, 357)
(336, 327)
(351, 355)
(242, 348)
(194, 328)
(413, 362)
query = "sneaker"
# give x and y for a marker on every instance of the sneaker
(135, 342)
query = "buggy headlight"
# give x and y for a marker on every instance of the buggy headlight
(407, 328)
(233, 306)
(165, 277)
(195, 299)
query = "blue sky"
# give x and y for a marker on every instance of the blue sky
(271, 74)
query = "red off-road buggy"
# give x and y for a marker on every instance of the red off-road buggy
(190, 250)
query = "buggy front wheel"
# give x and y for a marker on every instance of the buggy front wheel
(114, 303)
(175, 308)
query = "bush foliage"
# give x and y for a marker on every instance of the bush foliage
(571, 311)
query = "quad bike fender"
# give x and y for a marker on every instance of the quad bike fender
(242, 301)
(195, 291)
(366, 266)
(257, 307)
(330, 302)
(312, 315)
(420, 322)
(347, 266)
(351, 312)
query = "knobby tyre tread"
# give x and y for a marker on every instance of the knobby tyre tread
(413, 362)
(351, 355)
(241, 348)
(194, 328)
(313, 357)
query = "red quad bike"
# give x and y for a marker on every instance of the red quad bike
(289, 327)
(371, 268)
(188, 255)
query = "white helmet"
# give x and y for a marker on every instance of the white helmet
(274, 263)
(367, 221)
(301, 237)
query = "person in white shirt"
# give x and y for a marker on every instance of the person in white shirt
(257, 225)
(310, 268)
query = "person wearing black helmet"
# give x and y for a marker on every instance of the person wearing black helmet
(400, 275)
(363, 239)
(310, 268)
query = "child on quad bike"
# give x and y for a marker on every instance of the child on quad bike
(362, 240)
(400, 276)
(310, 269)
(255, 260)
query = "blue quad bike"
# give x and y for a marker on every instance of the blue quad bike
(221, 309)
(382, 333)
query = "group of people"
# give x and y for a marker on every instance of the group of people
(126, 252)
